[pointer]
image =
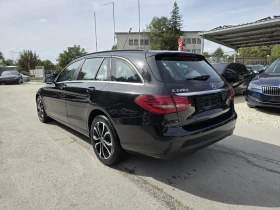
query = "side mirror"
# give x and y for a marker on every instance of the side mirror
(50, 79)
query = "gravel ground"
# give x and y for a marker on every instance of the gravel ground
(49, 166)
(267, 117)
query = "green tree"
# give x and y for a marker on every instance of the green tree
(164, 33)
(68, 55)
(175, 27)
(258, 51)
(47, 64)
(219, 53)
(275, 53)
(10, 62)
(206, 54)
(158, 32)
(2, 59)
(27, 60)
(114, 47)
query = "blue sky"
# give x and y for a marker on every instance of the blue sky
(50, 26)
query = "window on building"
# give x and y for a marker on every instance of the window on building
(193, 51)
(124, 72)
(89, 69)
(141, 41)
(188, 50)
(193, 40)
(198, 51)
(146, 41)
(198, 41)
(135, 41)
(131, 42)
(189, 40)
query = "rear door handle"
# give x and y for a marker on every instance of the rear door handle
(90, 89)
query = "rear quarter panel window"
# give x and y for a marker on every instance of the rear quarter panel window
(124, 72)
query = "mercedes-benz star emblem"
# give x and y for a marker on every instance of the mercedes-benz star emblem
(213, 85)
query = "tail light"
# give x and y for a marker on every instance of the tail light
(163, 104)
(231, 94)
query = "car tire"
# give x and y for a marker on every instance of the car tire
(105, 141)
(19, 81)
(41, 111)
(250, 105)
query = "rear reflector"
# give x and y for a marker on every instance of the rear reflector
(163, 104)
(231, 94)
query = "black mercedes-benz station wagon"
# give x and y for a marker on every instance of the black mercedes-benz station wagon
(156, 103)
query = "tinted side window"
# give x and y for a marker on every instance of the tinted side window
(103, 73)
(124, 72)
(68, 73)
(89, 69)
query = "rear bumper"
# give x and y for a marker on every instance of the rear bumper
(175, 141)
(257, 98)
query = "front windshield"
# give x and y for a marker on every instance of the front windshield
(273, 68)
(4, 73)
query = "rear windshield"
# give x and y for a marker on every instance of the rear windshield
(174, 68)
(220, 67)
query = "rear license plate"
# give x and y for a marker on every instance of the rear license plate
(208, 102)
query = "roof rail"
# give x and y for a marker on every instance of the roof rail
(108, 51)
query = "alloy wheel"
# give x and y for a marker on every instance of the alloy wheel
(40, 108)
(102, 140)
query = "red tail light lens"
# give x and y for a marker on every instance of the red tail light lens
(162, 104)
(231, 94)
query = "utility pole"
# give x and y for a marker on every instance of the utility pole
(113, 20)
(95, 32)
(139, 24)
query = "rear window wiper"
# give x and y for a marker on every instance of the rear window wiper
(202, 77)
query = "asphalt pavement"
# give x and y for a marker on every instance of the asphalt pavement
(49, 166)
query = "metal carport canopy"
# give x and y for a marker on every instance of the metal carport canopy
(265, 31)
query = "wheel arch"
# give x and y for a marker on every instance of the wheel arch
(93, 112)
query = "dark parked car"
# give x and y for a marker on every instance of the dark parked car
(151, 102)
(257, 69)
(10, 77)
(264, 90)
(25, 78)
(235, 74)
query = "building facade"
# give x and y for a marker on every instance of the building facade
(192, 42)
(130, 41)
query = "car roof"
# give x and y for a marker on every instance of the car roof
(129, 52)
